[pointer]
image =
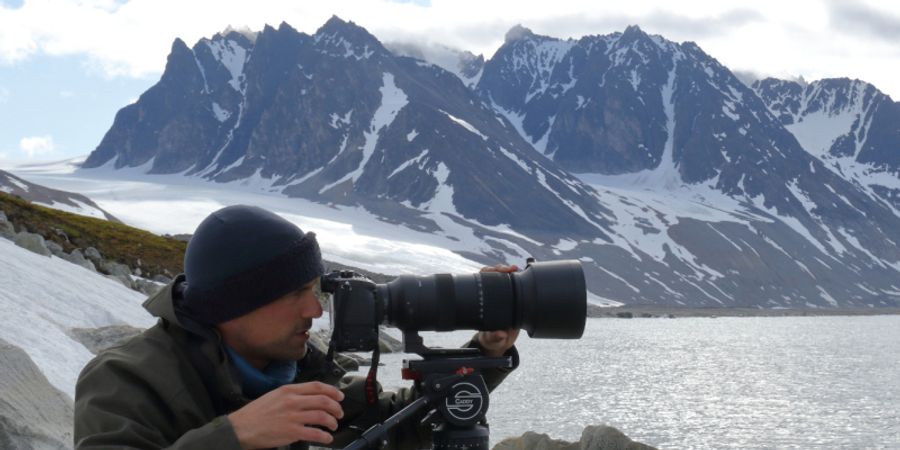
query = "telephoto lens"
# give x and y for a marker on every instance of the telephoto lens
(547, 299)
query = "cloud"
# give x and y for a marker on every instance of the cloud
(37, 146)
(861, 18)
(134, 38)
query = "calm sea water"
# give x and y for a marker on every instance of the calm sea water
(793, 382)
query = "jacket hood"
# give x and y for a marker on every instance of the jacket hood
(162, 304)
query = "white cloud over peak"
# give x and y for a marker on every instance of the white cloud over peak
(36, 146)
(813, 38)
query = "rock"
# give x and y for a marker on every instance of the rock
(93, 254)
(7, 230)
(33, 413)
(59, 232)
(606, 437)
(32, 242)
(161, 279)
(600, 437)
(147, 287)
(534, 441)
(76, 257)
(99, 339)
(625, 315)
(55, 249)
(116, 269)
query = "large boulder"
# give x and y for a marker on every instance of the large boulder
(32, 242)
(55, 249)
(33, 413)
(76, 257)
(93, 254)
(99, 339)
(147, 287)
(599, 437)
(115, 269)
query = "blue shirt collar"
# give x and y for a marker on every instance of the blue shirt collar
(255, 382)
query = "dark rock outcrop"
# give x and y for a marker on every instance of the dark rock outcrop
(600, 437)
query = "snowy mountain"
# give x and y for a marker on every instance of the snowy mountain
(851, 126)
(634, 111)
(65, 201)
(338, 118)
(690, 191)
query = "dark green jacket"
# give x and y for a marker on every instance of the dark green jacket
(150, 393)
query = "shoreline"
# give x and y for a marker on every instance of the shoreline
(671, 312)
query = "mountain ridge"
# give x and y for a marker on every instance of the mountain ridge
(344, 121)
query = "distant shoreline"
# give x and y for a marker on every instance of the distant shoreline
(654, 311)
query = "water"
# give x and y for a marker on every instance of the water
(792, 382)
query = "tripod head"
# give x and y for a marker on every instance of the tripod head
(449, 382)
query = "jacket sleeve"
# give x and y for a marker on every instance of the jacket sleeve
(408, 435)
(116, 408)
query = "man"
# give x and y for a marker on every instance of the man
(228, 365)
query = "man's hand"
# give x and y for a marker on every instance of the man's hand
(287, 414)
(496, 343)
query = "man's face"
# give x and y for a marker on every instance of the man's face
(276, 331)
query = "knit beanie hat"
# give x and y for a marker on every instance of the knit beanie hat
(244, 257)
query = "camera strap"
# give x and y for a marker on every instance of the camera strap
(372, 378)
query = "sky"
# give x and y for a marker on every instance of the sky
(67, 66)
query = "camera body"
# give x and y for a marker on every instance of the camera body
(356, 311)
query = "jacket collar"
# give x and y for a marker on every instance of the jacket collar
(162, 304)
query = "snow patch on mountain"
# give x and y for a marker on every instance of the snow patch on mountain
(466, 125)
(232, 56)
(393, 99)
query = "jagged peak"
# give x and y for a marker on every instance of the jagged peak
(284, 26)
(178, 45)
(336, 25)
(349, 37)
(633, 30)
(236, 33)
(518, 32)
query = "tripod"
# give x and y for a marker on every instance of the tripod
(449, 382)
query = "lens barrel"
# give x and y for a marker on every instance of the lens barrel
(547, 299)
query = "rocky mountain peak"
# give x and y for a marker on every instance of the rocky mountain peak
(345, 38)
(236, 34)
(178, 48)
(633, 32)
(518, 32)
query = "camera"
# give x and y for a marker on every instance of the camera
(547, 299)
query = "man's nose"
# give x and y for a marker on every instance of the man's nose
(312, 308)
